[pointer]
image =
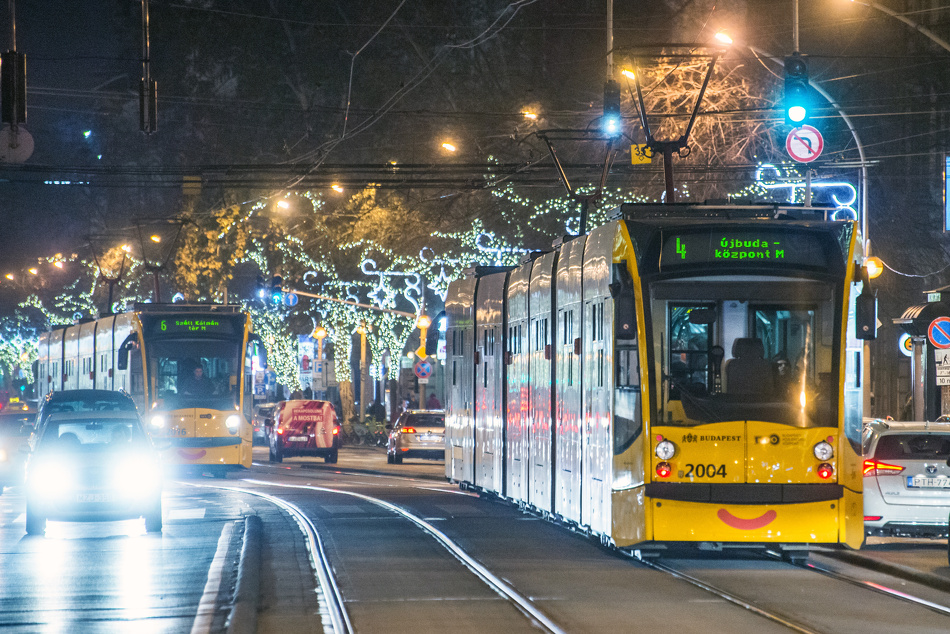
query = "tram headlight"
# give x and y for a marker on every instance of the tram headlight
(664, 469)
(665, 450)
(824, 451)
(158, 420)
(825, 471)
(233, 422)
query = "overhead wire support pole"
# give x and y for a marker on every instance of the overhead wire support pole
(936, 39)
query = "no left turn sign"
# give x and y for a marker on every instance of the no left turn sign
(804, 144)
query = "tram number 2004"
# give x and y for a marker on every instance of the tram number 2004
(704, 471)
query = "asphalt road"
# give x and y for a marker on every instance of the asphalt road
(378, 526)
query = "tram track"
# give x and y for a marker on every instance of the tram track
(521, 603)
(872, 586)
(332, 598)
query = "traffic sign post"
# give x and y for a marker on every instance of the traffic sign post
(422, 369)
(804, 144)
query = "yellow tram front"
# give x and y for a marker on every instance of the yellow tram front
(198, 377)
(752, 399)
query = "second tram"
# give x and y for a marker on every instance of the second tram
(684, 374)
(188, 367)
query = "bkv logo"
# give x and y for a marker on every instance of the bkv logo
(689, 438)
(773, 439)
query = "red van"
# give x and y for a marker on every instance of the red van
(303, 428)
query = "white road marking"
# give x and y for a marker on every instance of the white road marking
(205, 616)
(186, 514)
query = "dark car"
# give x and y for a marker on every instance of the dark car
(16, 428)
(93, 466)
(418, 433)
(84, 401)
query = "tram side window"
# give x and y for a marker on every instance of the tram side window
(628, 422)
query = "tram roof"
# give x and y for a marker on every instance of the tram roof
(726, 211)
(145, 307)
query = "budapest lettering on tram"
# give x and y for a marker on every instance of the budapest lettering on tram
(683, 375)
(188, 367)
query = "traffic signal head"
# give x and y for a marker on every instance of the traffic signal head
(611, 123)
(797, 92)
(276, 290)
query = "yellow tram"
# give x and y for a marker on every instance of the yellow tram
(188, 367)
(684, 374)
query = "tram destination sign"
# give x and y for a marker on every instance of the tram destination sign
(743, 245)
(176, 325)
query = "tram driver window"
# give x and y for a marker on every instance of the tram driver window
(691, 336)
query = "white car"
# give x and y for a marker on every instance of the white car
(906, 478)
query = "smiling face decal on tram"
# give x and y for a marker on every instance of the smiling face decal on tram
(746, 524)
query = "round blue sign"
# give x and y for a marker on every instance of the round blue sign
(422, 369)
(939, 332)
(290, 299)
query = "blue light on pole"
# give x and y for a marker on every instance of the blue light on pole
(611, 123)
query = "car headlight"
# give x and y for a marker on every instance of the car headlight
(665, 450)
(158, 420)
(824, 451)
(137, 475)
(49, 477)
(233, 422)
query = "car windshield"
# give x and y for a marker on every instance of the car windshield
(92, 434)
(103, 402)
(425, 420)
(913, 447)
(265, 412)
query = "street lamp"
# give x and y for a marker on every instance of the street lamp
(320, 333)
(423, 323)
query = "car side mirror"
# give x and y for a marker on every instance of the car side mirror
(25, 448)
(389, 426)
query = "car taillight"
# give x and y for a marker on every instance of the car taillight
(280, 430)
(664, 469)
(872, 518)
(408, 430)
(876, 467)
(336, 430)
(825, 471)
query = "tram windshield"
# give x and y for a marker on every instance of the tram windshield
(745, 348)
(194, 373)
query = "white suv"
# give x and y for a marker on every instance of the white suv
(906, 478)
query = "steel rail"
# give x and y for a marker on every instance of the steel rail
(522, 603)
(731, 598)
(873, 587)
(338, 616)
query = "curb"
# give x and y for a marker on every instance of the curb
(243, 617)
(902, 572)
